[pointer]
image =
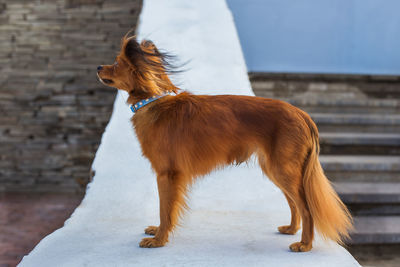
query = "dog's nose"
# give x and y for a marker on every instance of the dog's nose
(100, 67)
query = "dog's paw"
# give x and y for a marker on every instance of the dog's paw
(287, 230)
(151, 243)
(151, 230)
(300, 247)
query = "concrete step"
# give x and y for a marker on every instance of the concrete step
(372, 123)
(364, 198)
(376, 230)
(360, 143)
(351, 105)
(361, 168)
(292, 85)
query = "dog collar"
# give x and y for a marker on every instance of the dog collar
(144, 102)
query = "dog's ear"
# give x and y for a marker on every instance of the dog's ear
(149, 46)
(132, 51)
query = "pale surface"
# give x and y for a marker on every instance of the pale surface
(234, 212)
(314, 36)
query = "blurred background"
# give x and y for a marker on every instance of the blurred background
(338, 60)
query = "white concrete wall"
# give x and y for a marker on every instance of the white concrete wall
(320, 36)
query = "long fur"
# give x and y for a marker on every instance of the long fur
(331, 217)
(187, 136)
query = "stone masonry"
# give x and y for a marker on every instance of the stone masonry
(338, 86)
(53, 110)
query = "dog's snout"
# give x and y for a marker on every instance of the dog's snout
(100, 67)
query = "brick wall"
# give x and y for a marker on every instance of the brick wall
(52, 108)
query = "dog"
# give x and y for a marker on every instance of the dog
(186, 136)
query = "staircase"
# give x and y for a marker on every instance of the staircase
(359, 122)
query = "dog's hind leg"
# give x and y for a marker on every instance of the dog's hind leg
(293, 188)
(295, 217)
(295, 221)
(151, 230)
(172, 192)
(288, 178)
(307, 234)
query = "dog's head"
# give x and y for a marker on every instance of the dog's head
(140, 69)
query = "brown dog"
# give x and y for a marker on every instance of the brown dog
(187, 136)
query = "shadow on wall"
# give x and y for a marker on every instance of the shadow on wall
(342, 36)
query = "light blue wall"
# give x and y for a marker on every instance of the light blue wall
(319, 36)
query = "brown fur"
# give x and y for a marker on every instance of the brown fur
(187, 136)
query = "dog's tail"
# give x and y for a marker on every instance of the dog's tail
(331, 217)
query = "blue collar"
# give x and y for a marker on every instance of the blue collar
(144, 102)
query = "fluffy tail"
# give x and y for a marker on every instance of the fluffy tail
(331, 217)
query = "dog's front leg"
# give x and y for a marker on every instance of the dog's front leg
(171, 191)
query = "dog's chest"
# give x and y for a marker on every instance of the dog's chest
(147, 134)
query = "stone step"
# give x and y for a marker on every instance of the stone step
(361, 168)
(376, 193)
(370, 198)
(360, 143)
(376, 230)
(351, 105)
(372, 123)
(292, 85)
